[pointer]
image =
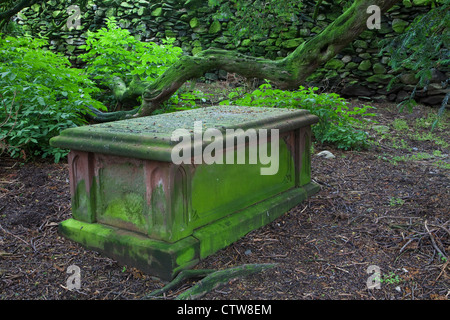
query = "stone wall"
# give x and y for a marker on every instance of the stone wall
(357, 71)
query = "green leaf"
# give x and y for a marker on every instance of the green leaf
(41, 101)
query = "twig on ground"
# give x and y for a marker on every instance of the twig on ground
(433, 241)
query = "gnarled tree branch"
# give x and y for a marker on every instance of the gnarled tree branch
(287, 73)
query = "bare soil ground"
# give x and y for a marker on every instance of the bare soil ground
(386, 207)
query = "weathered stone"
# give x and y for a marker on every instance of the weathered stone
(196, 50)
(378, 68)
(140, 11)
(289, 34)
(157, 12)
(433, 100)
(326, 154)
(126, 5)
(352, 65)
(200, 29)
(360, 44)
(399, 25)
(292, 43)
(133, 203)
(357, 90)
(211, 76)
(304, 32)
(246, 43)
(380, 78)
(194, 23)
(215, 27)
(402, 95)
(334, 64)
(367, 35)
(408, 78)
(365, 65)
(437, 89)
(437, 76)
(346, 59)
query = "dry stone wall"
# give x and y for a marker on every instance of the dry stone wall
(356, 71)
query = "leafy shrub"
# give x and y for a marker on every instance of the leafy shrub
(114, 52)
(337, 122)
(40, 95)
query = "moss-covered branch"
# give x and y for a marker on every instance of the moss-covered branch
(189, 67)
(12, 7)
(289, 72)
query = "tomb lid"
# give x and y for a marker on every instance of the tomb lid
(151, 137)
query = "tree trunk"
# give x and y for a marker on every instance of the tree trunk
(287, 73)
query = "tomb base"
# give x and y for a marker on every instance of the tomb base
(164, 259)
(134, 203)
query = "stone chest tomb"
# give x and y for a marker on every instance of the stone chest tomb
(132, 202)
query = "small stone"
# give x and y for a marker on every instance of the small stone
(381, 128)
(399, 25)
(126, 5)
(215, 27)
(157, 12)
(365, 65)
(346, 59)
(194, 23)
(334, 64)
(326, 154)
(292, 43)
(378, 68)
(360, 44)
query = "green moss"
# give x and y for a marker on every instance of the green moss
(194, 23)
(292, 43)
(215, 27)
(220, 189)
(157, 12)
(380, 78)
(186, 256)
(158, 258)
(365, 65)
(399, 25)
(246, 42)
(225, 231)
(128, 208)
(334, 64)
(360, 44)
(379, 68)
(83, 202)
(305, 169)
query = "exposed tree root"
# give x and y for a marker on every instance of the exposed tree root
(212, 280)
